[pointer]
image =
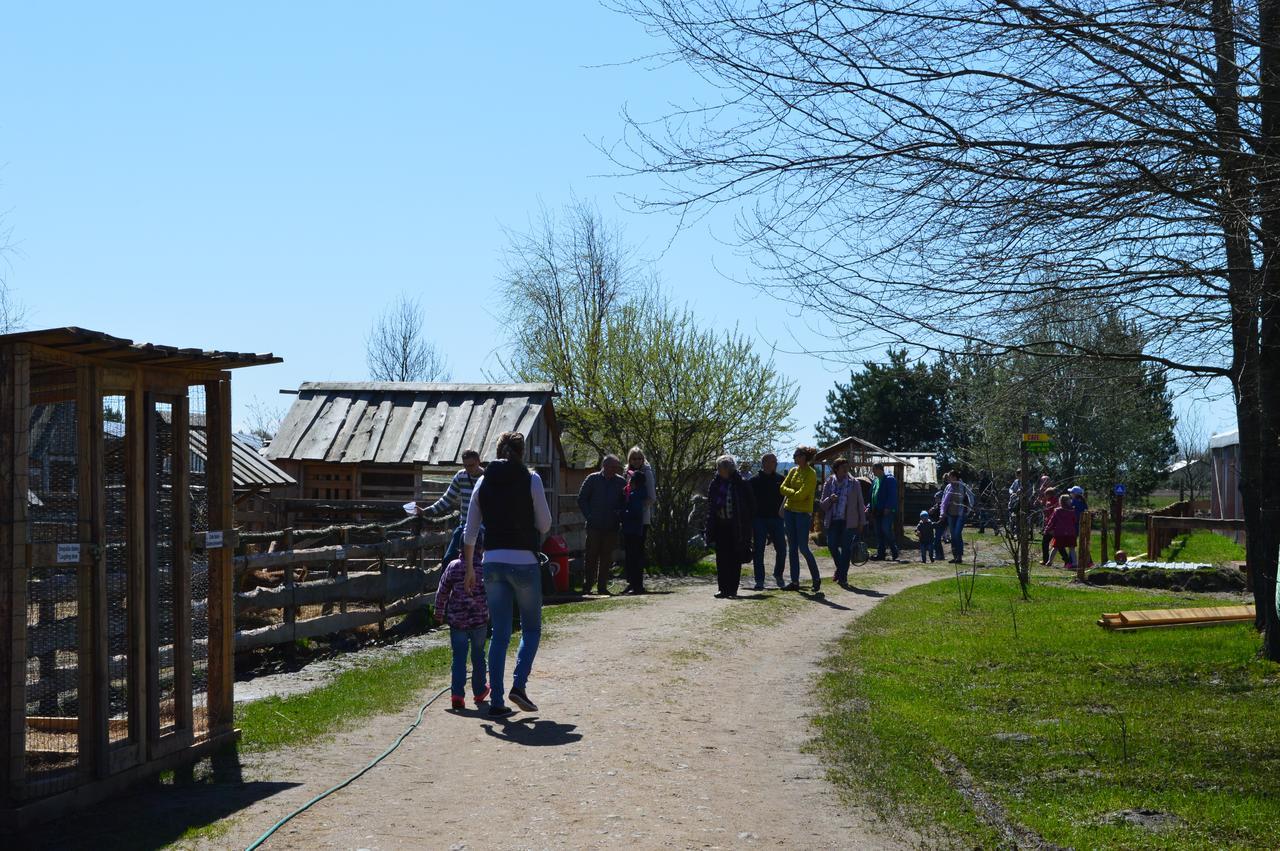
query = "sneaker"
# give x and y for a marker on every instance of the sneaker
(458, 702)
(483, 696)
(720, 595)
(817, 588)
(794, 586)
(519, 698)
(758, 588)
(498, 710)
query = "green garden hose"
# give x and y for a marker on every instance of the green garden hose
(353, 778)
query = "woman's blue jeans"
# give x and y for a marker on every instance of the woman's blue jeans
(797, 523)
(956, 525)
(461, 641)
(505, 584)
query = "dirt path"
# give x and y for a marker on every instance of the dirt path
(677, 721)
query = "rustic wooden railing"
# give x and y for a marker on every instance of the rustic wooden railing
(359, 584)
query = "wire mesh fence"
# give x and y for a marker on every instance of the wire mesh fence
(52, 637)
(118, 498)
(199, 508)
(162, 573)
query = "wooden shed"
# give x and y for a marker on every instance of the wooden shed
(861, 455)
(1224, 494)
(365, 443)
(115, 595)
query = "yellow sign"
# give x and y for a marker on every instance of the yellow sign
(1035, 438)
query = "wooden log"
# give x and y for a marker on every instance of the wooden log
(327, 625)
(260, 561)
(372, 587)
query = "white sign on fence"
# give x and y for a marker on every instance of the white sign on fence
(212, 540)
(68, 553)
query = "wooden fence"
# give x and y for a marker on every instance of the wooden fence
(356, 575)
(367, 574)
(1168, 523)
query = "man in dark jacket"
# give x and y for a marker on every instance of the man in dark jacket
(767, 522)
(730, 510)
(600, 501)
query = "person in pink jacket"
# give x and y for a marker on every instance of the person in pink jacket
(844, 514)
(1063, 527)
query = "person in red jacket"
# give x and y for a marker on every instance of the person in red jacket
(1063, 527)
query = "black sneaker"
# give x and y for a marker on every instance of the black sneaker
(499, 710)
(519, 698)
(794, 586)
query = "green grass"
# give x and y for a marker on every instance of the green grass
(380, 688)
(1203, 546)
(914, 679)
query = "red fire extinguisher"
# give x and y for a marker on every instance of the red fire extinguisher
(557, 553)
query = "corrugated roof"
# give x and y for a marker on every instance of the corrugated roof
(99, 345)
(389, 422)
(248, 468)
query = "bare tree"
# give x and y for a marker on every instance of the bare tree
(262, 419)
(946, 165)
(398, 349)
(13, 313)
(1191, 467)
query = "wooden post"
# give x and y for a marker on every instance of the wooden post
(94, 643)
(290, 611)
(151, 550)
(15, 392)
(1117, 509)
(343, 537)
(1084, 541)
(1102, 517)
(222, 623)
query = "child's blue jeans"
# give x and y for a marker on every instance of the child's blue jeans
(462, 640)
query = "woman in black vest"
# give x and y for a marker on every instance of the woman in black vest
(511, 505)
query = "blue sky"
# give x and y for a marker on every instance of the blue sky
(251, 177)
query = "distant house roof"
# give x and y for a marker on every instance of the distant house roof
(96, 344)
(387, 422)
(1180, 465)
(248, 468)
(1226, 438)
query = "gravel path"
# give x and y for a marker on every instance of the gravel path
(676, 721)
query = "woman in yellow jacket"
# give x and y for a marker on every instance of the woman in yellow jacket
(798, 490)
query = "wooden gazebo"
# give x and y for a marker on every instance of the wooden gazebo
(115, 586)
(861, 455)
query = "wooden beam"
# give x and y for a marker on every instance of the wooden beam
(222, 627)
(92, 608)
(15, 364)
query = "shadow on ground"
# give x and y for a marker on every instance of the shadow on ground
(534, 732)
(157, 814)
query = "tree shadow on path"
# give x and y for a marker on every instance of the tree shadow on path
(534, 732)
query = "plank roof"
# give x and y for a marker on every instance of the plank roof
(96, 344)
(390, 422)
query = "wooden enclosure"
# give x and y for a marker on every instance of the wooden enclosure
(115, 593)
